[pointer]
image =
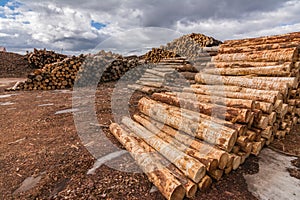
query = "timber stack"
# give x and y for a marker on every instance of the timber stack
(59, 75)
(85, 69)
(157, 54)
(191, 46)
(107, 66)
(244, 98)
(39, 58)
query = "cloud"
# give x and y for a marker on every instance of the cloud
(78, 27)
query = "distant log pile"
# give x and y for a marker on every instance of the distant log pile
(39, 58)
(86, 69)
(157, 54)
(106, 66)
(191, 46)
(60, 75)
(240, 102)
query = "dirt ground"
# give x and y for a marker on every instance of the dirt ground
(42, 156)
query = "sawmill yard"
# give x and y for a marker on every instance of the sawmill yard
(246, 91)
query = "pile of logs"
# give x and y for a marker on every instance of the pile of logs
(106, 66)
(167, 73)
(39, 58)
(244, 98)
(191, 46)
(60, 75)
(85, 69)
(172, 72)
(157, 54)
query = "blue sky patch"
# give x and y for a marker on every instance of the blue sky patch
(97, 25)
(3, 2)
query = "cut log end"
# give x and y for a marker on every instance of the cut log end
(205, 183)
(191, 190)
(178, 193)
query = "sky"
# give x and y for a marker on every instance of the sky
(76, 26)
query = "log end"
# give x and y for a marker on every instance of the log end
(199, 174)
(224, 158)
(178, 193)
(236, 162)
(191, 190)
(205, 183)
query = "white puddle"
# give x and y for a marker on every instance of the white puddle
(28, 183)
(273, 181)
(7, 103)
(67, 111)
(6, 96)
(47, 104)
(104, 159)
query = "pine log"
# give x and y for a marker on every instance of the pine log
(189, 186)
(283, 38)
(191, 167)
(159, 175)
(210, 163)
(230, 102)
(202, 147)
(239, 64)
(276, 55)
(278, 70)
(260, 84)
(216, 174)
(205, 183)
(269, 98)
(228, 113)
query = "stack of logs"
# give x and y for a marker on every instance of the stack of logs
(86, 69)
(39, 58)
(59, 75)
(191, 46)
(157, 54)
(241, 101)
(106, 66)
(172, 72)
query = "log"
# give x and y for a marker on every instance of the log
(276, 55)
(216, 174)
(236, 161)
(189, 186)
(239, 64)
(257, 47)
(211, 152)
(277, 70)
(230, 102)
(269, 98)
(191, 167)
(243, 82)
(283, 38)
(228, 113)
(256, 148)
(205, 183)
(161, 177)
(208, 131)
(210, 163)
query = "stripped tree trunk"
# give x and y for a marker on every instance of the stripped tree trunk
(191, 167)
(208, 131)
(159, 175)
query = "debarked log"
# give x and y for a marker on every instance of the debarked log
(206, 130)
(223, 112)
(159, 175)
(190, 166)
(260, 84)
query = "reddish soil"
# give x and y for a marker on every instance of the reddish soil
(36, 142)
